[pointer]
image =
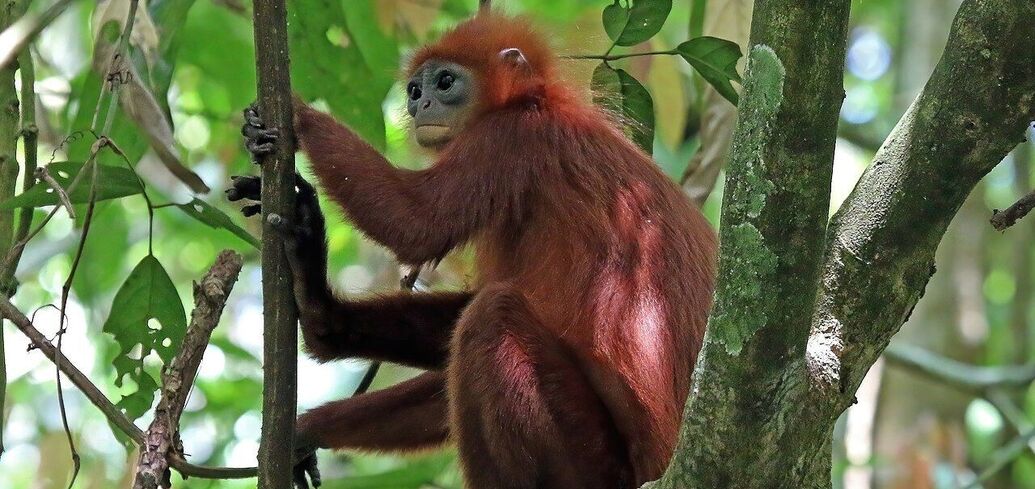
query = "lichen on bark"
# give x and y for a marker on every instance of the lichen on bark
(747, 261)
(771, 240)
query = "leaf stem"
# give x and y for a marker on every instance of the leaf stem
(614, 57)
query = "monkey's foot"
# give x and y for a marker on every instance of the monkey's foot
(306, 471)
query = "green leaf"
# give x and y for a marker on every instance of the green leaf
(607, 89)
(716, 60)
(213, 217)
(147, 294)
(615, 17)
(620, 93)
(113, 182)
(349, 62)
(644, 20)
(638, 107)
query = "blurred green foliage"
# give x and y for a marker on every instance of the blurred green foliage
(345, 57)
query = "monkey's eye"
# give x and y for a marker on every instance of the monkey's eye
(445, 82)
(414, 91)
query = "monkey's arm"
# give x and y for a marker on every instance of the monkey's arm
(413, 329)
(422, 215)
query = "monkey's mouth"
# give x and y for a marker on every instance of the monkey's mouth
(433, 134)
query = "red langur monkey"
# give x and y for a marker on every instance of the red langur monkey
(568, 364)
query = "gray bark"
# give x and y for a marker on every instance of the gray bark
(774, 215)
(770, 382)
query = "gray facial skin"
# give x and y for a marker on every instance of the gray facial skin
(439, 98)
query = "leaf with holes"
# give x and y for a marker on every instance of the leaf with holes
(113, 182)
(213, 217)
(716, 60)
(147, 294)
(621, 94)
(638, 23)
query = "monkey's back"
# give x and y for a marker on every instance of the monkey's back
(616, 261)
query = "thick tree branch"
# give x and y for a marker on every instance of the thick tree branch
(880, 250)
(881, 243)
(773, 219)
(162, 438)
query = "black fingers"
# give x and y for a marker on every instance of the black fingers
(258, 139)
(306, 471)
(251, 210)
(246, 187)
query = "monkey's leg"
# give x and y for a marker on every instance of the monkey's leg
(523, 414)
(407, 416)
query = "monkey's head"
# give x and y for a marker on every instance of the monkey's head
(485, 63)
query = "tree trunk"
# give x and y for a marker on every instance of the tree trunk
(771, 382)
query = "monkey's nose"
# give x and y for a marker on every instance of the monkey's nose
(424, 105)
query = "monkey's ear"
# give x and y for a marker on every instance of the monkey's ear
(515, 59)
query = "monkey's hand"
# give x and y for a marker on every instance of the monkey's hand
(259, 140)
(304, 233)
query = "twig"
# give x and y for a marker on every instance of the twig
(15, 253)
(44, 176)
(1003, 456)
(111, 412)
(14, 39)
(80, 380)
(66, 289)
(113, 74)
(1006, 218)
(615, 57)
(957, 374)
(101, 142)
(30, 139)
(162, 437)
(1013, 413)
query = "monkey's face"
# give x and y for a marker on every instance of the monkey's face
(440, 96)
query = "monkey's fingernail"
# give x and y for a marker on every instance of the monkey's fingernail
(275, 220)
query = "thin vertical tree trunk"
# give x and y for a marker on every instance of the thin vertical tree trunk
(280, 345)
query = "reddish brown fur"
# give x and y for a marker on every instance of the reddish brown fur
(569, 364)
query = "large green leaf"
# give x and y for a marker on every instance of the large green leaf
(620, 93)
(148, 294)
(615, 17)
(348, 62)
(640, 22)
(113, 182)
(716, 60)
(213, 217)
